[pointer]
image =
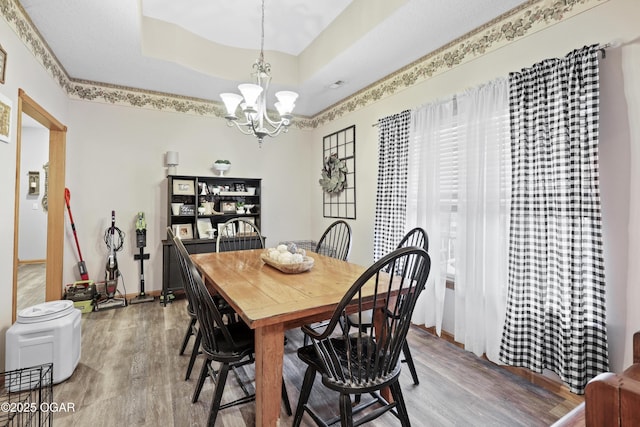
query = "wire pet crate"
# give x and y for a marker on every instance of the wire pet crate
(25, 396)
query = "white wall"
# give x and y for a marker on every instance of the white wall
(620, 156)
(32, 240)
(115, 161)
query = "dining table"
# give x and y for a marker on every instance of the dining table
(270, 302)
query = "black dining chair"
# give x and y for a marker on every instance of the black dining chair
(192, 329)
(335, 243)
(239, 234)
(415, 237)
(231, 345)
(362, 363)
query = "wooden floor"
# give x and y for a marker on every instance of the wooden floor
(130, 374)
(31, 285)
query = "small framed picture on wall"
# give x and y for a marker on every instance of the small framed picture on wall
(3, 64)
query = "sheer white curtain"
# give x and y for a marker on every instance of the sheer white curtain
(458, 185)
(482, 238)
(427, 205)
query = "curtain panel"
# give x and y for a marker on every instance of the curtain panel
(391, 195)
(432, 191)
(482, 235)
(555, 315)
(459, 193)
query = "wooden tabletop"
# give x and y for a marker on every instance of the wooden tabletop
(263, 295)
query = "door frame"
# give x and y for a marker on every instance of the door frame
(55, 198)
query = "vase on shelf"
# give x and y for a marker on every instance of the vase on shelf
(221, 167)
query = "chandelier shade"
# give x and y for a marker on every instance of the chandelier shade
(254, 118)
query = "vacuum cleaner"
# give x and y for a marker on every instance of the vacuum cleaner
(141, 242)
(114, 239)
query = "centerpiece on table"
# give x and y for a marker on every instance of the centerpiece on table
(287, 258)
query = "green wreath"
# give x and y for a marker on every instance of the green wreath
(334, 174)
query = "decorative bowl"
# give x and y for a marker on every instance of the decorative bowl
(221, 167)
(299, 267)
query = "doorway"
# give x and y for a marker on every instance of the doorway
(55, 197)
(32, 237)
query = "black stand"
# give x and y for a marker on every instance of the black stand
(142, 297)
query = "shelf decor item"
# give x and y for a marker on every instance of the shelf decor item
(222, 166)
(204, 227)
(228, 207)
(183, 231)
(183, 187)
(172, 160)
(175, 208)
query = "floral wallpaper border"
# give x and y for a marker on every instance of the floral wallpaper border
(527, 19)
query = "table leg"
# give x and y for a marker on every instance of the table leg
(378, 323)
(269, 356)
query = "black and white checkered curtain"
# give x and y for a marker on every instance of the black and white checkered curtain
(391, 196)
(556, 300)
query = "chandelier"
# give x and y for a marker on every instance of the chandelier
(252, 103)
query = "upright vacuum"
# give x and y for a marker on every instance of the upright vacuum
(141, 242)
(113, 238)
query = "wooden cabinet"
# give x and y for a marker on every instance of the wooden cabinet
(197, 206)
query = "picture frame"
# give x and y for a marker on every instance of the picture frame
(244, 229)
(204, 225)
(3, 64)
(187, 210)
(226, 230)
(5, 118)
(228, 207)
(183, 187)
(183, 231)
(239, 187)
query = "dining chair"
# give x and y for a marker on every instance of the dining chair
(415, 237)
(361, 363)
(192, 329)
(239, 234)
(335, 243)
(231, 345)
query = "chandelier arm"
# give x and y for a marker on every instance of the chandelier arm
(240, 126)
(276, 123)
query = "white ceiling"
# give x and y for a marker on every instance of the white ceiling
(200, 48)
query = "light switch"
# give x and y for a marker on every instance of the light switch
(34, 207)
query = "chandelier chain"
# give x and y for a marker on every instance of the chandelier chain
(260, 65)
(262, 34)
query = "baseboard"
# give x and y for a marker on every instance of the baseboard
(150, 293)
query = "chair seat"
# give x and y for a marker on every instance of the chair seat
(227, 352)
(358, 383)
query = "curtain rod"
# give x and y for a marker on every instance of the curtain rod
(610, 45)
